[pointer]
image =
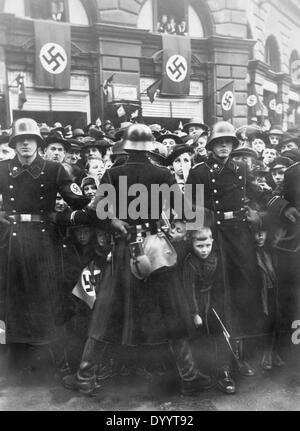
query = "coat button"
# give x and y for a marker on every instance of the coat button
(12, 199)
(42, 185)
(215, 166)
(218, 212)
(211, 170)
(42, 173)
(240, 177)
(14, 234)
(218, 222)
(11, 187)
(217, 202)
(215, 191)
(42, 197)
(213, 180)
(242, 188)
(43, 230)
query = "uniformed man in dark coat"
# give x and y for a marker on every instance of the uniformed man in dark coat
(284, 212)
(130, 311)
(226, 187)
(31, 294)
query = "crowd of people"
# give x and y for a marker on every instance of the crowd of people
(141, 293)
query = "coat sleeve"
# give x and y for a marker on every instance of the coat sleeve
(69, 190)
(189, 287)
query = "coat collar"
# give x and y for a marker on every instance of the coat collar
(218, 167)
(35, 169)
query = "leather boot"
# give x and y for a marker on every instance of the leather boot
(84, 380)
(192, 380)
(225, 381)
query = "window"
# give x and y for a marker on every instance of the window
(71, 11)
(170, 16)
(272, 54)
(294, 57)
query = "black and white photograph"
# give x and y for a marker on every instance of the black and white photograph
(149, 208)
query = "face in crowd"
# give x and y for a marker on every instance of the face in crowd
(92, 153)
(195, 129)
(258, 145)
(60, 204)
(101, 237)
(246, 159)
(182, 164)
(222, 148)
(55, 152)
(83, 235)
(289, 146)
(72, 157)
(96, 168)
(6, 153)
(274, 140)
(202, 243)
(260, 238)
(177, 231)
(269, 155)
(89, 191)
(278, 174)
(169, 144)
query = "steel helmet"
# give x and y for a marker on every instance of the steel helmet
(222, 129)
(138, 137)
(25, 127)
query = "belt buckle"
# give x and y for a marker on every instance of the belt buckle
(228, 215)
(25, 218)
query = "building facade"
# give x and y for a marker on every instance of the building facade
(251, 42)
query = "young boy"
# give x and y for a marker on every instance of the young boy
(199, 270)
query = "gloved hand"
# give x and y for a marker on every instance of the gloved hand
(198, 320)
(3, 218)
(292, 214)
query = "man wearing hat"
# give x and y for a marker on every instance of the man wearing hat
(277, 170)
(275, 135)
(31, 295)
(130, 311)
(72, 161)
(226, 187)
(195, 125)
(245, 155)
(55, 147)
(289, 142)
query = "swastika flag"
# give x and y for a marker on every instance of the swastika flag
(52, 55)
(176, 65)
(227, 101)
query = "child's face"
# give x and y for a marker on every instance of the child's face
(60, 204)
(202, 248)
(177, 231)
(260, 238)
(83, 235)
(101, 238)
(96, 168)
(258, 145)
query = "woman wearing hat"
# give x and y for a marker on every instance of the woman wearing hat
(180, 161)
(169, 140)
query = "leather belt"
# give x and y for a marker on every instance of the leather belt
(26, 218)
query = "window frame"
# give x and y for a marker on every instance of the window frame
(27, 8)
(186, 4)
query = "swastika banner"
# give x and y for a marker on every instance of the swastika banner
(176, 65)
(52, 55)
(227, 101)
